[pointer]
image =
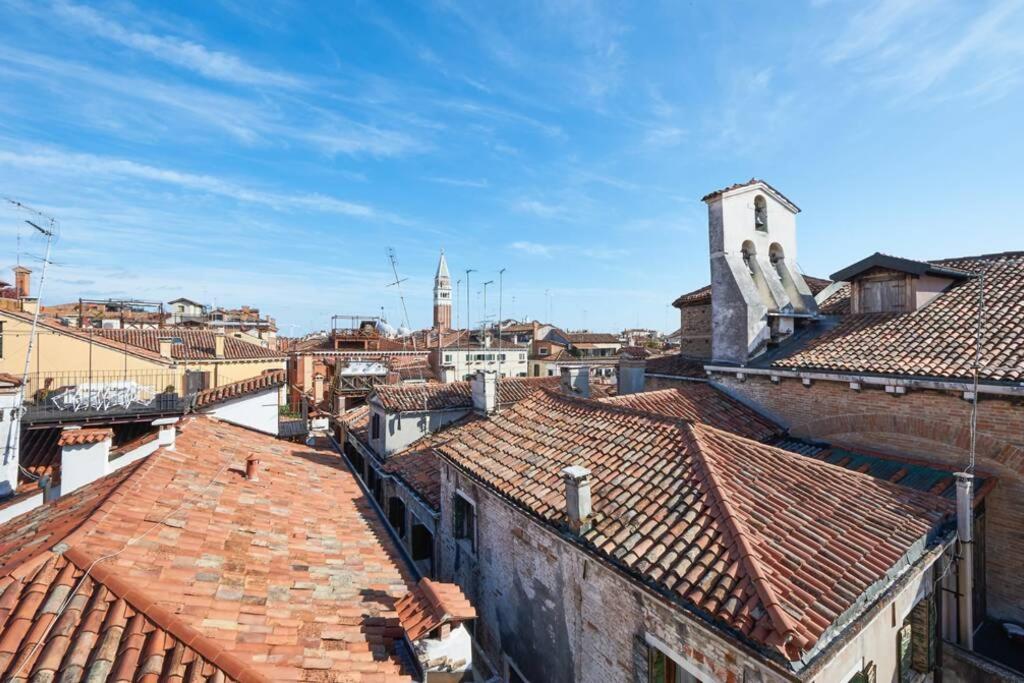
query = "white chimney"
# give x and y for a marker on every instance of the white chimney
(218, 344)
(84, 456)
(485, 391)
(632, 375)
(165, 347)
(10, 436)
(167, 434)
(965, 567)
(576, 380)
(577, 497)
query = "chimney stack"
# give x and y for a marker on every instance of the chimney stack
(485, 391)
(165, 347)
(218, 344)
(965, 567)
(577, 497)
(631, 375)
(576, 380)
(22, 281)
(167, 434)
(84, 456)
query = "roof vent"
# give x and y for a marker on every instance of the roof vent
(252, 465)
(485, 391)
(576, 380)
(577, 497)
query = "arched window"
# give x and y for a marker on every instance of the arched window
(760, 214)
(777, 256)
(749, 255)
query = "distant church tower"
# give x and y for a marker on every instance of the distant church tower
(442, 297)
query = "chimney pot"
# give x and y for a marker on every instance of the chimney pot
(252, 464)
(165, 347)
(22, 281)
(218, 344)
(577, 497)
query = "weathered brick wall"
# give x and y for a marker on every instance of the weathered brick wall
(561, 616)
(695, 329)
(929, 425)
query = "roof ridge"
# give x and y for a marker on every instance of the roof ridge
(786, 628)
(234, 667)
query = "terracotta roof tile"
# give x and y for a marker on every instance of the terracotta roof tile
(937, 340)
(592, 338)
(78, 437)
(254, 568)
(208, 397)
(749, 526)
(454, 395)
(752, 181)
(198, 343)
(430, 605)
(703, 403)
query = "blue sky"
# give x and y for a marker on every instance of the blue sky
(271, 156)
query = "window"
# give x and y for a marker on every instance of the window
(760, 214)
(543, 351)
(464, 520)
(866, 675)
(375, 426)
(447, 358)
(396, 515)
(663, 669)
(1, 339)
(501, 356)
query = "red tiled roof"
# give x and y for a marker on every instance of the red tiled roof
(593, 338)
(702, 296)
(101, 635)
(937, 340)
(676, 365)
(761, 541)
(703, 403)
(455, 395)
(253, 568)
(266, 380)
(752, 181)
(838, 303)
(357, 421)
(417, 465)
(430, 605)
(79, 437)
(198, 343)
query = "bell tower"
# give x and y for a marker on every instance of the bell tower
(442, 297)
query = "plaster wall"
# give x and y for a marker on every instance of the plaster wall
(10, 442)
(399, 430)
(258, 411)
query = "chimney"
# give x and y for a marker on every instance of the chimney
(965, 566)
(485, 391)
(632, 375)
(318, 388)
(252, 465)
(165, 347)
(218, 344)
(576, 380)
(84, 456)
(167, 434)
(577, 497)
(22, 281)
(10, 436)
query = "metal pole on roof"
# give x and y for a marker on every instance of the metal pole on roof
(497, 384)
(469, 320)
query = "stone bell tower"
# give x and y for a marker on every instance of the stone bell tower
(442, 297)
(756, 292)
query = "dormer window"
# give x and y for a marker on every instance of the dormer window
(760, 214)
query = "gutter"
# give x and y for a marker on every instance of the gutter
(907, 381)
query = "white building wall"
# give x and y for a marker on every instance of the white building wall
(257, 411)
(10, 438)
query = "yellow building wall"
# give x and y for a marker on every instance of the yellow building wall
(66, 359)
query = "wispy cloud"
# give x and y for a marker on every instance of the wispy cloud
(459, 182)
(550, 250)
(534, 248)
(90, 165)
(213, 64)
(914, 48)
(538, 208)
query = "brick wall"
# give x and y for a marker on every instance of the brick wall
(929, 425)
(695, 330)
(560, 615)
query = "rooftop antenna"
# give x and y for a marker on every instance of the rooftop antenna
(397, 284)
(458, 312)
(483, 319)
(497, 385)
(468, 297)
(48, 232)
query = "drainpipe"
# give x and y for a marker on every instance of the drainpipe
(965, 567)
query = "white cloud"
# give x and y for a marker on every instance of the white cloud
(538, 208)
(90, 165)
(186, 54)
(534, 248)
(459, 182)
